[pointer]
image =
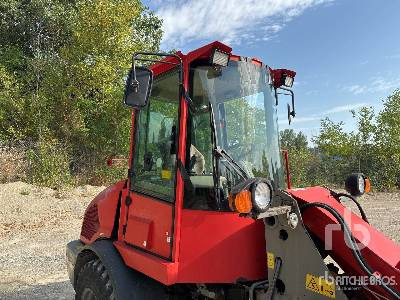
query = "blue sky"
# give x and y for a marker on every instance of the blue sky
(346, 52)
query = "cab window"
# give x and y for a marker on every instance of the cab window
(156, 140)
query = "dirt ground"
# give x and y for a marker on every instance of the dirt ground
(36, 223)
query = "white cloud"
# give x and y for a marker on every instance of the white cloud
(343, 108)
(318, 117)
(230, 21)
(296, 120)
(355, 89)
(376, 84)
(393, 56)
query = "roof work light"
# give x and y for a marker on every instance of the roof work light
(219, 58)
(283, 77)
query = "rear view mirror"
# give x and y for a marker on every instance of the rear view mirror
(138, 87)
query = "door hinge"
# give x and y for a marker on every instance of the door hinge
(128, 200)
(131, 173)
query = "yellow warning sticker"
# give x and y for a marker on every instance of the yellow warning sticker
(166, 174)
(320, 285)
(270, 260)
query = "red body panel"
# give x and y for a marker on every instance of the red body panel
(154, 267)
(149, 225)
(220, 247)
(106, 202)
(216, 247)
(181, 155)
(380, 252)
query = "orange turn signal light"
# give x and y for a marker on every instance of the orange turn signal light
(242, 202)
(367, 185)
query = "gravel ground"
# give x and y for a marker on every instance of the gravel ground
(36, 223)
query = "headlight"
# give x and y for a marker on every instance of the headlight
(361, 184)
(261, 196)
(357, 184)
(251, 196)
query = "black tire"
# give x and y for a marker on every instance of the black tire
(93, 282)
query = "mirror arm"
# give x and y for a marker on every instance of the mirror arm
(276, 97)
(136, 56)
(293, 112)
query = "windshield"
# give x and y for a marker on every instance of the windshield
(245, 116)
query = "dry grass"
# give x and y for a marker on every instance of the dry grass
(13, 165)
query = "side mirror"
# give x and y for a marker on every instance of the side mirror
(138, 87)
(357, 184)
(289, 115)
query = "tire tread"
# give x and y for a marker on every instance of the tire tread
(94, 275)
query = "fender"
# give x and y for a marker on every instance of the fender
(127, 283)
(100, 216)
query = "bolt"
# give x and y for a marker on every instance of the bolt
(293, 220)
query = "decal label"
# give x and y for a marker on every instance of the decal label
(166, 174)
(270, 260)
(320, 286)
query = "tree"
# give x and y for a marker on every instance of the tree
(63, 64)
(387, 142)
(301, 158)
(336, 148)
(290, 140)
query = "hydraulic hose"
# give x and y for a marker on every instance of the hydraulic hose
(363, 215)
(354, 249)
(337, 197)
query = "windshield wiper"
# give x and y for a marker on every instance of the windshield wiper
(233, 163)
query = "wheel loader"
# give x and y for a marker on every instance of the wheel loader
(207, 210)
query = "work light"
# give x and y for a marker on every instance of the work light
(261, 196)
(219, 58)
(357, 184)
(253, 196)
(288, 81)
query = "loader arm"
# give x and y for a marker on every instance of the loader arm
(380, 253)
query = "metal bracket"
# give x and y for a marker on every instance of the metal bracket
(275, 211)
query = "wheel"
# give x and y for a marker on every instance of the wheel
(93, 282)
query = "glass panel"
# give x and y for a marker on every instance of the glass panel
(156, 140)
(244, 111)
(201, 140)
(200, 168)
(245, 116)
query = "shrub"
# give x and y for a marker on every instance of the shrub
(49, 164)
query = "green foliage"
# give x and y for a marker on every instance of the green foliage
(302, 159)
(62, 70)
(49, 164)
(291, 140)
(373, 148)
(387, 142)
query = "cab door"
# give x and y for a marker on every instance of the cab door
(151, 195)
